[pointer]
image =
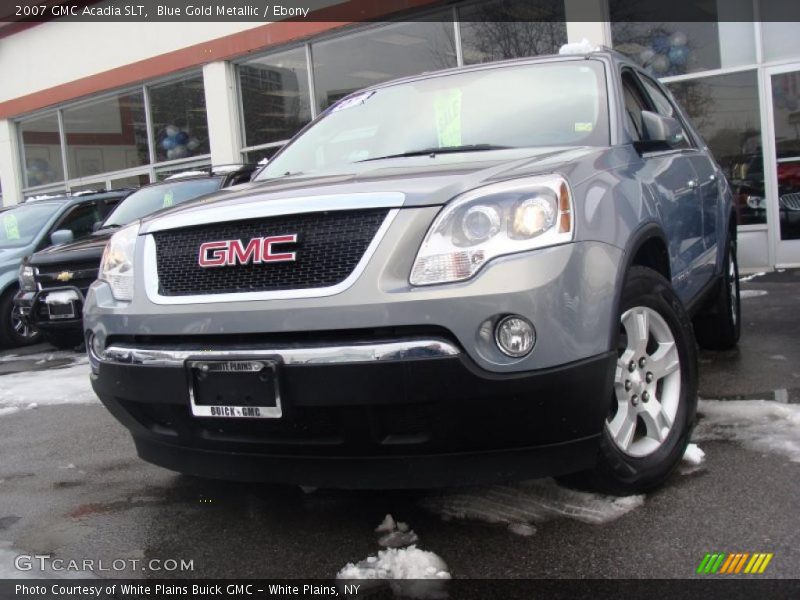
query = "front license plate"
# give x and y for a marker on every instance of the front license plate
(61, 311)
(234, 389)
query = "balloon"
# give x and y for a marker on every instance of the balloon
(180, 152)
(193, 143)
(660, 44)
(661, 64)
(171, 153)
(172, 131)
(168, 143)
(678, 39)
(181, 138)
(646, 56)
(679, 56)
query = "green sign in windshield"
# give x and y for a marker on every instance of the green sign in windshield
(448, 118)
(11, 227)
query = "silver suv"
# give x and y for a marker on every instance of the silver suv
(478, 274)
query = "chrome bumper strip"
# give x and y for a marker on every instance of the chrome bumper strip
(312, 355)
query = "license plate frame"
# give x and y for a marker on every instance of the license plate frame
(248, 367)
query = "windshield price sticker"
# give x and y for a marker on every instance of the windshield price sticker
(169, 199)
(448, 118)
(11, 226)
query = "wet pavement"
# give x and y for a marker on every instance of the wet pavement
(72, 487)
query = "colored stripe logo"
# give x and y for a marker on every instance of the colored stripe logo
(736, 563)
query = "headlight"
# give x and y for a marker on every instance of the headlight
(27, 278)
(491, 221)
(117, 266)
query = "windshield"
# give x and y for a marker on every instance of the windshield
(19, 225)
(156, 197)
(545, 104)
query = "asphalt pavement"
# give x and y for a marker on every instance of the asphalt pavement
(72, 487)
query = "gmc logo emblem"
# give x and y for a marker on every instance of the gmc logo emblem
(257, 251)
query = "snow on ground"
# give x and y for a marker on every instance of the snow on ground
(694, 455)
(65, 385)
(762, 425)
(751, 276)
(528, 503)
(752, 293)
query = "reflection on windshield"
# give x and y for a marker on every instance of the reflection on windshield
(19, 226)
(530, 105)
(159, 196)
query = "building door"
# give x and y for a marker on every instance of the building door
(784, 153)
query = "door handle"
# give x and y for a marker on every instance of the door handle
(692, 183)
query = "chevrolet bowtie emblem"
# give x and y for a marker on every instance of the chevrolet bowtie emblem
(65, 275)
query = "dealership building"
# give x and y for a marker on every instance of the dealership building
(87, 105)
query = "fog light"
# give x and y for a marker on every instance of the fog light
(515, 336)
(96, 348)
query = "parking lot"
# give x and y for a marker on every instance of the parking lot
(72, 487)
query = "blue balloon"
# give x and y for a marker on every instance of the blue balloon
(168, 143)
(181, 138)
(679, 55)
(660, 44)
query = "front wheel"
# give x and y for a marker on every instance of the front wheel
(654, 400)
(14, 331)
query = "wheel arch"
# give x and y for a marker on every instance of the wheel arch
(647, 247)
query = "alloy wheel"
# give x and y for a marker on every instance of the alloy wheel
(647, 383)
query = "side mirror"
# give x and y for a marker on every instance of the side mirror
(61, 237)
(660, 130)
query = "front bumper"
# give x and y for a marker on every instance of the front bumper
(397, 413)
(33, 309)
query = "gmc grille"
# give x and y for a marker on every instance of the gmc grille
(328, 248)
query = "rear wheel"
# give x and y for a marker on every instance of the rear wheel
(14, 331)
(720, 326)
(654, 398)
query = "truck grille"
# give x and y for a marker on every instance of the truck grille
(78, 274)
(791, 201)
(328, 248)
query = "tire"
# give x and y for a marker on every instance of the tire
(64, 340)
(13, 332)
(719, 327)
(654, 402)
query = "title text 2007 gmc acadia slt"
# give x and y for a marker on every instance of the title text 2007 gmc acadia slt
(493, 272)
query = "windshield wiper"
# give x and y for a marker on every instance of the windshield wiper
(444, 150)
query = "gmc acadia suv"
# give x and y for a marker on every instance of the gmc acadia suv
(479, 274)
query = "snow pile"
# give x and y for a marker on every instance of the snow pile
(396, 535)
(410, 571)
(68, 385)
(397, 563)
(523, 504)
(582, 47)
(694, 455)
(762, 425)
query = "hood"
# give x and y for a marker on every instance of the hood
(87, 248)
(12, 256)
(424, 180)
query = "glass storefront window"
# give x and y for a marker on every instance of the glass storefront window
(106, 135)
(132, 181)
(41, 147)
(275, 100)
(502, 30)
(780, 40)
(668, 49)
(163, 173)
(786, 119)
(178, 110)
(346, 64)
(725, 110)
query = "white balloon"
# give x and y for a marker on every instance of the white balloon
(172, 130)
(678, 39)
(193, 143)
(660, 64)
